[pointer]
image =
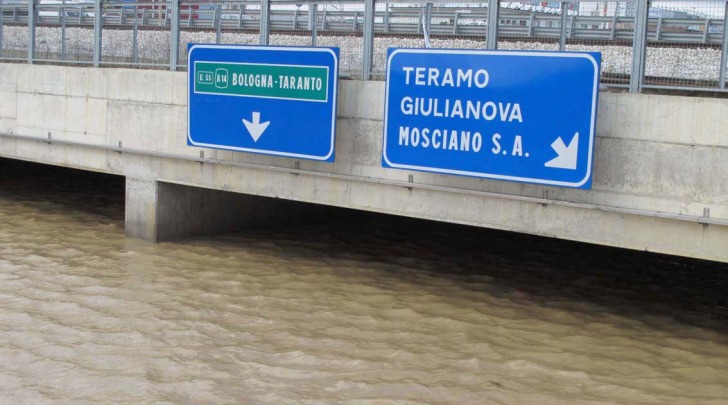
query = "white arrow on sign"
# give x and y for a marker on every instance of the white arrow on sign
(256, 128)
(566, 158)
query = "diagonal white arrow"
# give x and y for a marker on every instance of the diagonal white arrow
(256, 128)
(566, 158)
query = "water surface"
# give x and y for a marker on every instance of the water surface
(349, 308)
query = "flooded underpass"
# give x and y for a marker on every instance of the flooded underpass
(348, 307)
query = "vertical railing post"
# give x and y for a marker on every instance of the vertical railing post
(161, 22)
(639, 46)
(218, 23)
(98, 19)
(31, 30)
(427, 23)
(386, 19)
(368, 51)
(63, 33)
(531, 20)
(2, 11)
(724, 50)
(313, 22)
(173, 34)
(564, 16)
(428, 17)
(420, 20)
(492, 38)
(134, 41)
(264, 21)
(572, 23)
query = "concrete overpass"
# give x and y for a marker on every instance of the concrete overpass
(660, 165)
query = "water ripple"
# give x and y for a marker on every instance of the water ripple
(327, 312)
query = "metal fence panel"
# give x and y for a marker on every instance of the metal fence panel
(607, 28)
(528, 27)
(335, 24)
(136, 33)
(684, 44)
(64, 32)
(120, 35)
(396, 25)
(290, 24)
(204, 22)
(686, 40)
(400, 24)
(14, 31)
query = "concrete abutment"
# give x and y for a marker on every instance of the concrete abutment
(158, 211)
(659, 165)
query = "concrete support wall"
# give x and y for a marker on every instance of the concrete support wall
(140, 216)
(660, 163)
(158, 212)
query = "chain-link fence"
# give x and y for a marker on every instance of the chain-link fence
(329, 24)
(398, 25)
(203, 22)
(61, 35)
(685, 44)
(14, 38)
(605, 27)
(659, 44)
(135, 34)
(426, 25)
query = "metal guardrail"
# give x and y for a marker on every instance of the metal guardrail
(447, 20)
(124, 32)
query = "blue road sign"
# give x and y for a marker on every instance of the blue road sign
(270, 100)
(506, 115)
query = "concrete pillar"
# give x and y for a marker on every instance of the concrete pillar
(140, 216)
(158, 212)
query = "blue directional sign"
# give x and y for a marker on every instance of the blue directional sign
(507, 115)
(271, 100)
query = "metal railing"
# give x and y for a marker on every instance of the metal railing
(666, 44)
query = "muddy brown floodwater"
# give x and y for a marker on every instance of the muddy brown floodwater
(348, 308)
